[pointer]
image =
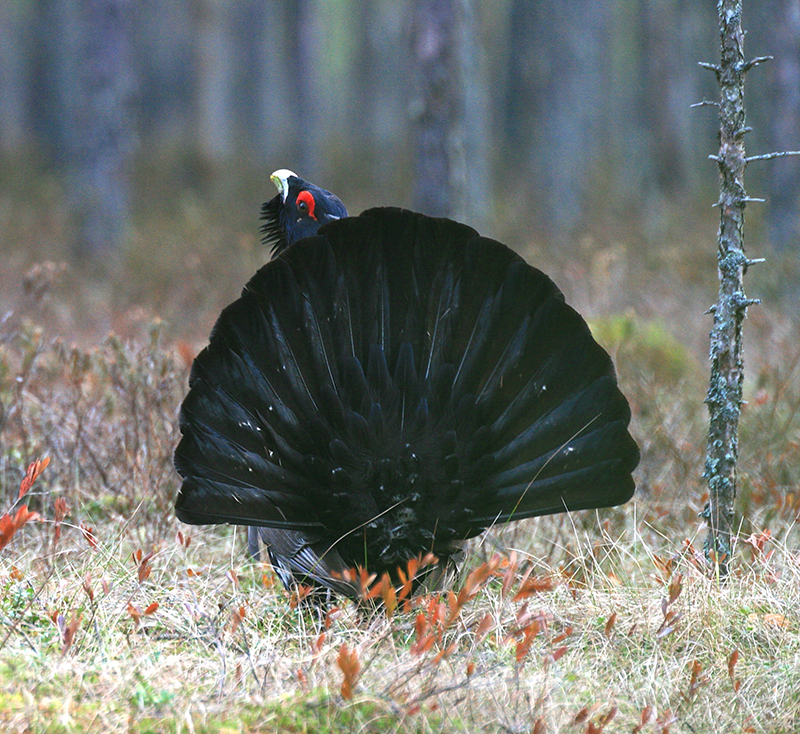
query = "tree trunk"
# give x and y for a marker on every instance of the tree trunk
(260, 95)
(214, 80)
(724, 398)
(438, 108)
(558, 88)
(783, 176)
(102, 134)
(306, 101)
(165, 35)
(13, 76)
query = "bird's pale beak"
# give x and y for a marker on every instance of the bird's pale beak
(281, 180)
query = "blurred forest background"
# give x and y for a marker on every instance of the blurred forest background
(136, 143)
(137, 138)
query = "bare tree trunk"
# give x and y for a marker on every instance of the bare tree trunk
(783, 213)
(378, 93)
(102, 132)
(214, 76)
(475, 205)
(558, 97)
(13, 73)
(305, 40)
(724, 397)
(438, 108)
(260, 96)
(165, 34)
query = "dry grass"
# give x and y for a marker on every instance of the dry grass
(623, 633)
(588, 623)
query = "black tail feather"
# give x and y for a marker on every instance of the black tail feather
(399, 383)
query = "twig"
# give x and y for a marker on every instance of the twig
(755, 62)
(771, 156)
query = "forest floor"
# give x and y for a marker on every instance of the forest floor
(116, 618)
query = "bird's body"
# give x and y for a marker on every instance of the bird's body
(390, 387)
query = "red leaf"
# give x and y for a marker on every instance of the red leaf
(88, 533)
(581, 716)
(648, 714)
(300, 592)
(698, 678)
(151, 609)
(446, 653)
(420, 625)
(424, 644)
(524, 645)
(144, 569)
(32, 474)
(407, 577)
(350, 666)
(732, 660)
(428, 560)
(535, 585)
(509, 574)
(476, 581)
(10, 524)
(135, 612)
(68, 635)
(483, 627)
(316, 646)
(675, 587)
(389, 596)
(87, 586)
(331, 615)
(759, 541)
(664, 565)
(361, 576)
(608, 717)
(61, 509)
(60, 512)
(610, 622)
(563, 636)
(665, 722)
(236, 620)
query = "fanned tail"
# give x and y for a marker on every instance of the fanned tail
(393, 386)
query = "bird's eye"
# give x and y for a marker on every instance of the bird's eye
(305, 203)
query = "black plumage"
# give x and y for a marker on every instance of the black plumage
(298, 211)
(391, 386)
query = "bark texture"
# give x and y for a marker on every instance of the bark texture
(724, 398)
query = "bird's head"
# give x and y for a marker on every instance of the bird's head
(298, 211)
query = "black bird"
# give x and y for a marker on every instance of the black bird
(389, 385)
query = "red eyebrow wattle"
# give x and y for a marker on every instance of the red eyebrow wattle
(306, 197)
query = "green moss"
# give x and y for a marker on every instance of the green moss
(647, 344)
